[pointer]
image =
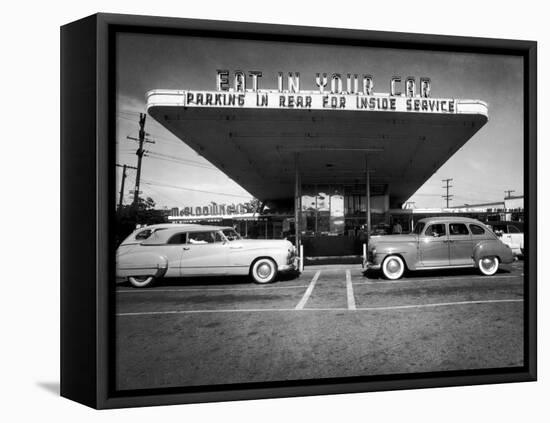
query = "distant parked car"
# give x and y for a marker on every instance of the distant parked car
(511, 233)
(174, 250)
(438, 243)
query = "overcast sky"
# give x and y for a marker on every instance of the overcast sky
(489, 163)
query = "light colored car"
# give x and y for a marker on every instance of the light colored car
(511, 233)
(178, 250)
(438, 243)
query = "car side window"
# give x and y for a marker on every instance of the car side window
(477, 230)
(418, 228)
(458, 229)
(202, 238)
(144, 234)
(436, 230)
(180, 238)
(513, 230)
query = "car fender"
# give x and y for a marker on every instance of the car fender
(407, 251)
(246, 255)
(490, 248)
(141, 264)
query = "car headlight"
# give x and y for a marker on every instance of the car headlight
(291, 251)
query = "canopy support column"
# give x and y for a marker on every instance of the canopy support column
(297, 201)
(367, 183)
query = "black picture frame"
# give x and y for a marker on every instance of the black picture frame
(88, 193)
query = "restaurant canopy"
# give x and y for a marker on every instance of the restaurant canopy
(402, 141)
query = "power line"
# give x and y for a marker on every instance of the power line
(179, 159)
(193, 189)
(180, 163)
(166, 197)
(169, 141)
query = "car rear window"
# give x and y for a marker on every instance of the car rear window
(477, 230)
(144, 234)
(458, 229)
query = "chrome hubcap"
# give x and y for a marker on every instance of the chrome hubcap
(264, 270)
(487, 263)
(393, 266)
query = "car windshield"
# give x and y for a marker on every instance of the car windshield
(418, 228)
(231, 234)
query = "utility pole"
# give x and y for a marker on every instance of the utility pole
(124, 175)
(448, 196)
(140, 152)
(508, 193)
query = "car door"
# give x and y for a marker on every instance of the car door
(205, 254)
(460, 245)
(433, 246)
(173, 251)
(479, 234)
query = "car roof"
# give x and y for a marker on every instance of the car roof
(179, 226)
(162, 237)
(445, 219)
(167, 226)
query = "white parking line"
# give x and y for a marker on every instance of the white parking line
(442, 278)
(349, 289)
(251, 310)
(257, 288)
(308, 292)
(439, 304)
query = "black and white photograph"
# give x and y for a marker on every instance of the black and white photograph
(279, 211)
(298, 211)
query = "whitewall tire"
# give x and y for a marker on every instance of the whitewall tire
(141, 281)
(393, 267)
(263, 270)
(488, 265)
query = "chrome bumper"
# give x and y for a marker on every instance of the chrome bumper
(294, 265)
(373, 266)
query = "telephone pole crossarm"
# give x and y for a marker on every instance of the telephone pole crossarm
(447, 186)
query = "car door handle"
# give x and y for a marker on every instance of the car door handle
(235, 248)
(186, 248)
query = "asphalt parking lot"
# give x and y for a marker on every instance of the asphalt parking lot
(331, 321)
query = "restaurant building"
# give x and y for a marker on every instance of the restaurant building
(326, 164)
